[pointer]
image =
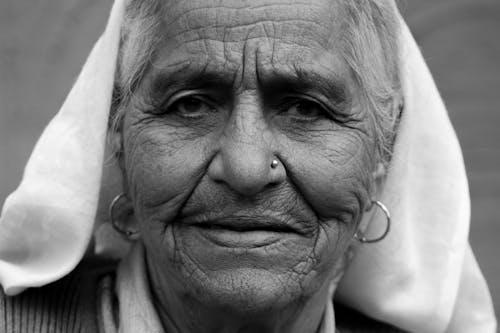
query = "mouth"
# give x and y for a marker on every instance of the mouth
(244, 231)
(245, 224)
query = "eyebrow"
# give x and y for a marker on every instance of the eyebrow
(188, 76)
(292, 79)
(298, 80)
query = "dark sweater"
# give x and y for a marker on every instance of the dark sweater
(70, 305)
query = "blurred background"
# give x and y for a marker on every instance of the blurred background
(43, 44)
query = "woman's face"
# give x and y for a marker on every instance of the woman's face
(234, 86)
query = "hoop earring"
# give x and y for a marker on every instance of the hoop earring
(387, 228)
(111, 212)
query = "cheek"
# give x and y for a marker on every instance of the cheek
(163, 166)
(333, 173)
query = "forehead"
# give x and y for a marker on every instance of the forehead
(235, 20)
(237, 33)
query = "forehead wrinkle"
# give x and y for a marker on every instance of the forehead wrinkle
(191, 14)
(268, 50)
(326, 67)
(236, 45)
(294, 22)
(192, 56)
(310, 21)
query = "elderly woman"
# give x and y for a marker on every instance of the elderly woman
(262, 146)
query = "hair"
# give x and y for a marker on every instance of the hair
(370, 27)
(140, 35)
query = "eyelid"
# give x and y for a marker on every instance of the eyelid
(185, 94)
(163, 105)
(296, 98)
(324, 102)
(336, 111)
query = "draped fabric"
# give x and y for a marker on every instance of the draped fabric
(47, 222)
(423, 277)
(414, 279)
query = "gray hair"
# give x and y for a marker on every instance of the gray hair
(370, 27)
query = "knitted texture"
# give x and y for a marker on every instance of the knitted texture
(66, 306)
(72, 305)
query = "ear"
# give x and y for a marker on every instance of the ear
(123, 218)
(115, 145)
(379, 176)
(378, 179)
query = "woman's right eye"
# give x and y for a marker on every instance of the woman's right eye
(190, 107)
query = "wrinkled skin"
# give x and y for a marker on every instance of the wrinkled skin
(234, 85)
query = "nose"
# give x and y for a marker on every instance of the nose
(247, 161)
(246, 169)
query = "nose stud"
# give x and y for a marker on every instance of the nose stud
(274, 164)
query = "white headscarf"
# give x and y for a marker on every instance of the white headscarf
(423, 277)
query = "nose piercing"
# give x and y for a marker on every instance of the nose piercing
(274, 164)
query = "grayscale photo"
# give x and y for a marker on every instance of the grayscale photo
(240, 166)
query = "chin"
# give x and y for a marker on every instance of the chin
(237, 278)
(245, 292)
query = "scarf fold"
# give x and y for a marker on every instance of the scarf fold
(416, 278)
(46, 223)
(136, 309)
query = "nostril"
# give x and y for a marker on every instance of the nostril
(272, 185)
(248, 170)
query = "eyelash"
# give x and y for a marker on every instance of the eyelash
(202, 101)
(283, 107)
(323, 111)
(169, 107)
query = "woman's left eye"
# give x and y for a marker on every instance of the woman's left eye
(190, 107)
(306, 110)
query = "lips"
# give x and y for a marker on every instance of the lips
(241, 231)
(245, 229)
(245, 224)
